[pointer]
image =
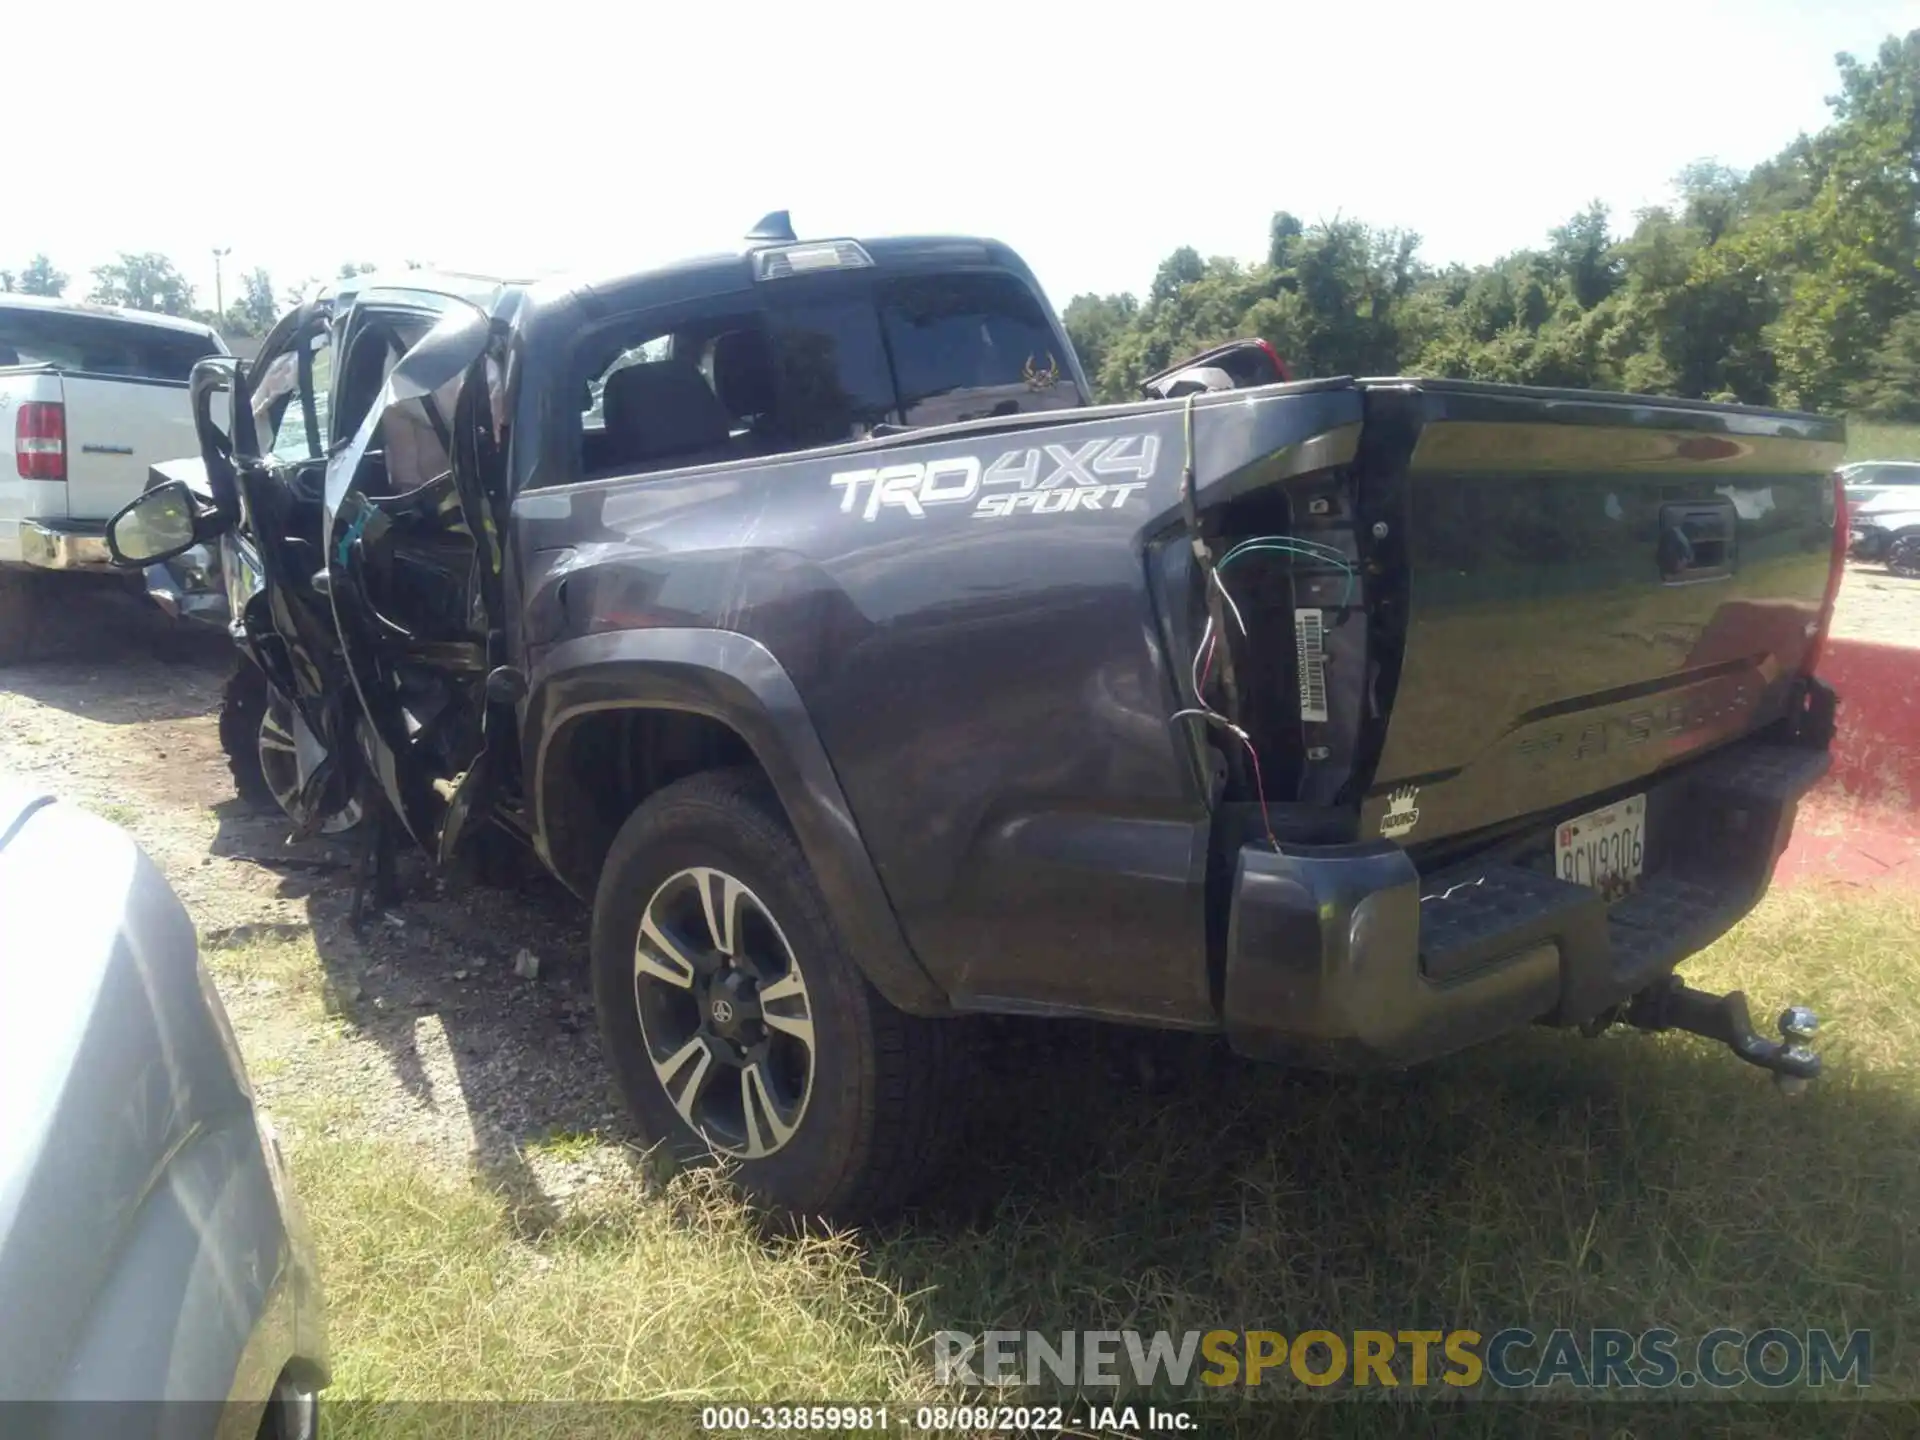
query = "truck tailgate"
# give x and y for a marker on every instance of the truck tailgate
(21, 498)
(117, 426)
(1584, 589)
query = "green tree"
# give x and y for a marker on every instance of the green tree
(256, 309)
(147, 281)
(1797, 282)
(1890, 389)
(1183, 267)
(1093, 322)
(1855, 247)
(39, 278)
(1582, 251)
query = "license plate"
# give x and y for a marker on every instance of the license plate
(1604, 848)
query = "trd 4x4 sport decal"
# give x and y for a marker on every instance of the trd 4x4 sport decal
(1099, 475)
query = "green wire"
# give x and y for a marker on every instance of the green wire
(1298, 549)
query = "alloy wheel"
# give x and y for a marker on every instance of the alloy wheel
(280, 766)
(724, 1012)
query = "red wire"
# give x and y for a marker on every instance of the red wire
(1260, 789)
(1206, 666)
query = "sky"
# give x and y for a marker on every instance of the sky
(540, 138)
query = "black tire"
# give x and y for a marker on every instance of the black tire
(872, 1119)
(243, 705)
(21, 618)
(292, 1412)
(1903, 557)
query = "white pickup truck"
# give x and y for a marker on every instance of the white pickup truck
(89, 397)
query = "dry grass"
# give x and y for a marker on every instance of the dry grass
(1625, 1182)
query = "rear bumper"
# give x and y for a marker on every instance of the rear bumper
(1348, 958)
(63, 545)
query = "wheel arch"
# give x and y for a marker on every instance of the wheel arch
(699, 699)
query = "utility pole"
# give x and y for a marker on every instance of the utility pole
(219, 291)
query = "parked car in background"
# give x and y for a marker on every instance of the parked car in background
(1869, 479)
(89, 398)
(151, 1249)
(1886, 530)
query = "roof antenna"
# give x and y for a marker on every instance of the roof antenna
(775, 228)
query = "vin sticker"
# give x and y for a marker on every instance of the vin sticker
(1310, 639)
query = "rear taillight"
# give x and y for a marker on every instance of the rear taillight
(1278, 364)
(40, 440)
(1836, 571)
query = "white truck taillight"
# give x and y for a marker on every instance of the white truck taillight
(40, 440)
(1835, 501)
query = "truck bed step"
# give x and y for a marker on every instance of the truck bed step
(1473, 916)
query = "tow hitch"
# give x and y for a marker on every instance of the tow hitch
(1672, 1006)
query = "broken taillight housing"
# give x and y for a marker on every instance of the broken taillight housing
(40, 440)
(1833, 503)
(1279, 365)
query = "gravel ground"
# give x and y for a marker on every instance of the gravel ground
(1874, 605)
(431, 1036)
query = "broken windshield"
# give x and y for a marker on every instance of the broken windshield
(406, 438)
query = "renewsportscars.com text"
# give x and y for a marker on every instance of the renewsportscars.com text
(1514, 1358)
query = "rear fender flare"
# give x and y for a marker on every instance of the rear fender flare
(735, 680)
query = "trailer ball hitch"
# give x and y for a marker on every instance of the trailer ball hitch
(1673, 1006)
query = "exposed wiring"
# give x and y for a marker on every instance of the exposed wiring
(1202, 652)
(1329, 551)
(1238, 620)
(1296, 549)
(1211, 638)
(1259, 783)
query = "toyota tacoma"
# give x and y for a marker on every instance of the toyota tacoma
(800, 611)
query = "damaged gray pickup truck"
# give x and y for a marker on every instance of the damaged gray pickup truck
(798, 609)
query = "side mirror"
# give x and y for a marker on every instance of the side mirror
(157, 526)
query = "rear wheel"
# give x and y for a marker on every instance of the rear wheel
(1903, 557)
(243, 706)
(736, 1024)
(257, 733)
(291, 1413)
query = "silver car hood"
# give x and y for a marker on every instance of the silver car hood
(116, 1074)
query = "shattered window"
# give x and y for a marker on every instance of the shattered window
(280, 409)
(277, 422)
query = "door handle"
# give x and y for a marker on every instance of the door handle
(1697, 541)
